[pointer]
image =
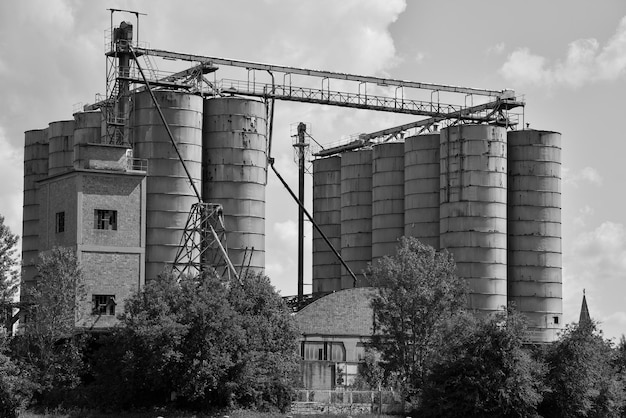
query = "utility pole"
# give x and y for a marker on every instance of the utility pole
(300, 146)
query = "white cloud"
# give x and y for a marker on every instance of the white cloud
(583, 213)
(496, 49)
(586, 61)
(596, 260)
(588, 175)
(287, 231)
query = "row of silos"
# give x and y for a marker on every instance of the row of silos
(490, 197)
(222, 142)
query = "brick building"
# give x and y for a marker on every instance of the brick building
(334, 330)
(92, 201)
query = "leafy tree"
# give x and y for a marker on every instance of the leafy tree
(49, 343)
(583, 377)
(9, 273)
(370, 375)
(201, 341)
(418, 294)
(486, 372)
(16, 387)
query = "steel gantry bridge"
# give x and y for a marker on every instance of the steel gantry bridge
(126, 75)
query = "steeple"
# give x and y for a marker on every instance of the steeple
(584, 312)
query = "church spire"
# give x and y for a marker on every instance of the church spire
(584, 312)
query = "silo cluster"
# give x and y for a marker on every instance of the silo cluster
(490, 197)
(222, 142)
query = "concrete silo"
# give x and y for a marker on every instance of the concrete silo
(534, 230)
(356, 214)
(327, 215)
(421, 188)
(473, 213)
(35, 168)
(235, 172)
(387, 198)
(87, 130)
(169, 195)
(61, 146)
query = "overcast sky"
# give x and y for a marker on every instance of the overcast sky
(567, 57)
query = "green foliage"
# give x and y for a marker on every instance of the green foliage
(584, 377)
(16, 388)
(48, 345)
(418, 294)
(371, 375)
(201, 341)
(485, 372)
(9, 272)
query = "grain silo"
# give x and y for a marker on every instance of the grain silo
(87, 130)
(356, 214)
(61, 146)
(169, 194)
(387, 198)
(421, 188)
(534, 230)
(35, 168)
(235, 172)
(474, 210)
(327, 215)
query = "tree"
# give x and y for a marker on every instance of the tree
(418, 294)
(201, 341)
(584, 376)
(53, 307)
(9, 272)
(486, 372)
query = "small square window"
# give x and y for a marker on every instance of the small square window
(556, 319)
(60, 222)
(105, 219)
(103, 304)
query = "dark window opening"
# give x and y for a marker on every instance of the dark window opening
(103, 304)
(105, 219)
(556, 319)
(60, 222)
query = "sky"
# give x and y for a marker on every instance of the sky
(566, 58)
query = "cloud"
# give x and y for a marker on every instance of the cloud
(588, 175)
(596, 260)
(496, 49)
(586, 61)
(583, 213)
(287, 230)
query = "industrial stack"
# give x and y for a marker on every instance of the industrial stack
(490, 197)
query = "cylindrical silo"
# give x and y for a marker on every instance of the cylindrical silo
(87, 130)
(473, 210)
(356, 215)
(61, 148)
(169, 195)
(35, 168)
(234, 174)
(387, 198)
(534, 230)
(421, 188)
(327, 215)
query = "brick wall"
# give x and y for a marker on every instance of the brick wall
(112, 192)
(108, 274)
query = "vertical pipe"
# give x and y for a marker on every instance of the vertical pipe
(301, 145)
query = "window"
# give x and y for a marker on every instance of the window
(60, 222)
(103, 304)
(105, 219)
(556, 319)
(321, 350)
